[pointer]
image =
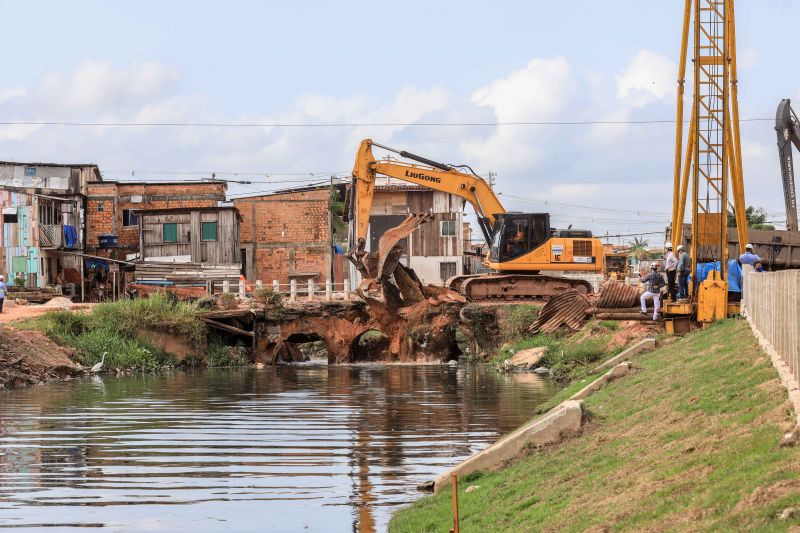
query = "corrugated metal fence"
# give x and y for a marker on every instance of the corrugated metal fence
(772, 300)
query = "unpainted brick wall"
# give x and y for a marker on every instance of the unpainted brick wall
(291, 231)
(117, 196)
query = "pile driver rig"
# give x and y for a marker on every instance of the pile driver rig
(712, 160)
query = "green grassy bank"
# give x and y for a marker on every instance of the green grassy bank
(689, 442)
(569, 357)
(113, 328)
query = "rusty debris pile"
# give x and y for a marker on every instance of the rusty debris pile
(400, 319)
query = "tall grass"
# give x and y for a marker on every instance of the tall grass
(567, 357)
(111, 328)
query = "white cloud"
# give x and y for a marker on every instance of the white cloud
(647, 78)
(602, 165)
(534, 93)
(96, 86)
(11, 93)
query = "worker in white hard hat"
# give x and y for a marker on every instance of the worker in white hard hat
(671, 268)
(748, 257)
(684, 269)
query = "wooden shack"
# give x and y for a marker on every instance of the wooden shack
(190, 235)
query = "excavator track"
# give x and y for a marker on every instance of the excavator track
(514, 287)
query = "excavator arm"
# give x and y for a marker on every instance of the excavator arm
(432, 175)
(787, 128)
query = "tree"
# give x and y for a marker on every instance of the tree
(336, 205)
(756, 218)
(639, 248)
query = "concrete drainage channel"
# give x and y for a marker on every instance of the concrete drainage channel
(563, 420)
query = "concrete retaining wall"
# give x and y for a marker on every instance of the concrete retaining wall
(562, 420)
(644, 345)
(772, 306)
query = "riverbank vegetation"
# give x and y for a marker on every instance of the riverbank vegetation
(116, 329)
(570, 357)
(690, 441)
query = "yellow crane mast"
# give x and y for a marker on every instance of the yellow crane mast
(711, 161)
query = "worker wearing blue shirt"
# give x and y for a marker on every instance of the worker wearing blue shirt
(748, 257)
(2, 293)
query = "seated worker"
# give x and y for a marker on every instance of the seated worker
(758, 267)
(518, 244)
(653, 284)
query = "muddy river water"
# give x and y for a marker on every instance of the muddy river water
(302, 448)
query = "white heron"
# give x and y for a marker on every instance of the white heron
(98, 366)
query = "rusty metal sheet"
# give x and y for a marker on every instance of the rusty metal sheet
(617, 294)
(566, 309)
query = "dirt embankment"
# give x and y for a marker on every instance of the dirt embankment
(29, 357)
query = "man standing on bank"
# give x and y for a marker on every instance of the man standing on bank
(684, 268)
(671, 268)
(748, 257)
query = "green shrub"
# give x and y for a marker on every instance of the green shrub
(519, 319)
(120, 352)
(19, 281)
(112, 327)
(157, 311)
(227, 300)
(266, 295)
(220, 355)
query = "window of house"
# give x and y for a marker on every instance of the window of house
(447, 269)
(129, 217)
(9, 218)
(30, 171)
(101, 207)
(19, 264)
(169, 232)
(208, 231)
(448, 228)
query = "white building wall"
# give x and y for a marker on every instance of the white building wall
(429, 269)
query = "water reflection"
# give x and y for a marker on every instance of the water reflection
(281, 449)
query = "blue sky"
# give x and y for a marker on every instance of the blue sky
(312, 62)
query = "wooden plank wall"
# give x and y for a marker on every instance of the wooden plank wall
(224, 250)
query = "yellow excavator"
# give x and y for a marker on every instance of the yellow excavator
(521, 245)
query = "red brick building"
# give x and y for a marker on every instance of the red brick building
(111, 208)
(286, 235)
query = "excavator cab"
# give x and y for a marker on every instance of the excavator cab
(516, 234)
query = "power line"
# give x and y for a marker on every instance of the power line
(134, 172)
(256, 193)
(350, 124)
(575, 206)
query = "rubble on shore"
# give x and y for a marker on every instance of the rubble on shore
(29, 357)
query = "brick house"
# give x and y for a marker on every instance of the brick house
(112, 208)
(287, 235)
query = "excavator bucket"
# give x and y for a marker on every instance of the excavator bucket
(382, 264)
